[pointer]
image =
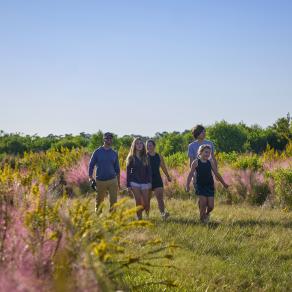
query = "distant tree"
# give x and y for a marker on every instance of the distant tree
(227, 137)
(96, 140)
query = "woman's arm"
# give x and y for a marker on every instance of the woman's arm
(191, 174)
(214, 159)
(164, 168)
(149, 169)
(129, 173)
(217, 174)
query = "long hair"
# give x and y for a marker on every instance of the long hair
(133, 152)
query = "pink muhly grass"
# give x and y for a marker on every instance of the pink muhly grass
(123, 178)
(17, 271)
(275, 164)
(78, 174)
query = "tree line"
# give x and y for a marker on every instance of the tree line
(227, 137)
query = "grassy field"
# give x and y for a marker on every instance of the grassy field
(242, 249)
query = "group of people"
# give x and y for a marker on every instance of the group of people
(143, 173)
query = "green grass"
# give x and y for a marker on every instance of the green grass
(242, 249)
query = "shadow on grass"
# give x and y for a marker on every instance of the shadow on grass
(260, 223)
(189, 221)
(215, 224)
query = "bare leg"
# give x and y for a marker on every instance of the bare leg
(159, 196)
(210, 205)
(203, 206)
(146, 200)
(138, 199)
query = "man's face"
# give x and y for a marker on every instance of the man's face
(202, 136)
(108, 140)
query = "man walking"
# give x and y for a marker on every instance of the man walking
(199, 133)
(106, 161)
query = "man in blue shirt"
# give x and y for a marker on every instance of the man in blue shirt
(199, 133)
(106, 162)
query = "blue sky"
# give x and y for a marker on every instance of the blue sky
(143, 66)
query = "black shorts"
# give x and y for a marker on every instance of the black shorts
(157, 182)
(206, 191)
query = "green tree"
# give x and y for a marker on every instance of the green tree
(227, 137)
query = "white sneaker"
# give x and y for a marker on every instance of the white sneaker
(207, 219)
(165, 215)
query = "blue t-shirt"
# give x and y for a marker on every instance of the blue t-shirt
(106, 162)
(194, 147)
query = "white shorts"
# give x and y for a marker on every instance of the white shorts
(141, 186)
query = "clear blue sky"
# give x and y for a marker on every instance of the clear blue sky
(143, 66)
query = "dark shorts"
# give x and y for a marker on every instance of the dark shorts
(206, 191)
(157, 183)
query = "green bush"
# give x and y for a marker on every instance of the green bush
(259, 193)
(252, 162)
(283, 187)
(227, 157)
(176, 160)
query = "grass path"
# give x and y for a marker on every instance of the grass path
(243, 249)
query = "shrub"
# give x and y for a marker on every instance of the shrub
(178, 159)
(283, 187)
(252, 162)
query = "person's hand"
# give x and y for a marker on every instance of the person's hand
(93, 184)
(169, 178)
(187, 189)
(225, 185)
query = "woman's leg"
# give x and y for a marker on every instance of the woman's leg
(203, 203)
(138, 199)
(210, 205)
(159, 196)
(145, 200)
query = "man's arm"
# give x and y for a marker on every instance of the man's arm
(117, 170)
(191, 155)
(92, 163)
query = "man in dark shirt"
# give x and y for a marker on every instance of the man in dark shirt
(106, 161)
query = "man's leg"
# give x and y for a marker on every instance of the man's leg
(113, 191)
(101, 193)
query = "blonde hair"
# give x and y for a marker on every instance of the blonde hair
(133, 152)
(203, 147)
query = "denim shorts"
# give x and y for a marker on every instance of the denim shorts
(141, 186)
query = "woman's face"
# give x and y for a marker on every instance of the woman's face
(150, 147)
(206, 154)
(139, 145)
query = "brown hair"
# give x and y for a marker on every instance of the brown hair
(151, 141)
(197, 130)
